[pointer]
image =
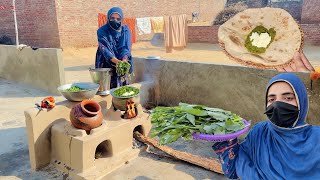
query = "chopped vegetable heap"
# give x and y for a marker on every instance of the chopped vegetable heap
(171, 123)
(259, 39)
(123, 68)
(74, 89)
(126, 91)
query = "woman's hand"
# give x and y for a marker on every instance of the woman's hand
(125, 58)
(300, 63)
(115, 60)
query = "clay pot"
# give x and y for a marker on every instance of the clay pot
(86, 115)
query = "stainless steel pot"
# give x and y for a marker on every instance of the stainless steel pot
(102, 76)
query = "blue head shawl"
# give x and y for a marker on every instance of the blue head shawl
(272, 152)
(115, 10)
(300, 92)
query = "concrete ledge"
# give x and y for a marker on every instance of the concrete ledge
(41, 68)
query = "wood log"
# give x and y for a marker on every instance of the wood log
(207, 163)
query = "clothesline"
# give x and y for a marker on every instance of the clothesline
(173, 27)
(145, 25)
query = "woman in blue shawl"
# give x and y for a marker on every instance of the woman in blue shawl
(283, 147)
(114, 45)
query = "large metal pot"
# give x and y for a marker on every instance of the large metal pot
(90, 89)
(102, 76)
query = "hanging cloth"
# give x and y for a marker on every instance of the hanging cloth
(176, 32)
(102, 19)
(144, 25)
(131, 23)
(157, 24)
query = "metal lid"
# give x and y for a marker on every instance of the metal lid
(153, 57)
(100, 69)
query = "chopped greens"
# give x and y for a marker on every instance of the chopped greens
(123, 68)
(126, 91)
(74, 89)
(259, 29)
(171, 123)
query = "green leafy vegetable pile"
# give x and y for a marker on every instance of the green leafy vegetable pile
(126, 91)
(123, 68)
(171, 123)
(74, 89)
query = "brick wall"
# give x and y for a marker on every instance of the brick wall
(65, 23)
(209, 34)
(37, 23)
(77, 22)
(205, 34)
(78, 19)
(310, 12)
(141, 8)
(6, 20)
(293, 7)
(256, 3)
(311, 33)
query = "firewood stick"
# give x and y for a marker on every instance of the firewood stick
(207, 163)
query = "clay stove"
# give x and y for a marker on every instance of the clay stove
(52, 139)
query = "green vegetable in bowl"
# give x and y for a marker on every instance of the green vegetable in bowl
(74, 89)
(123, 68)
(171, 123)
(126, 91)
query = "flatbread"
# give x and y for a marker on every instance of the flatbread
(288, 40)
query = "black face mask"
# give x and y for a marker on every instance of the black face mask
(282, 114)
(115, 24)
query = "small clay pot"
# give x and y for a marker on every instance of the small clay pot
(86, 115)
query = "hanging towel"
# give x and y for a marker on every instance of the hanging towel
(144, 25)
(131, 23)
(176, 32)
(157, 24)
(102, 19)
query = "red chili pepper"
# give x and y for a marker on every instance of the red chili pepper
(48, 103)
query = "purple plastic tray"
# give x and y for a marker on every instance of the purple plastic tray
(225, 137)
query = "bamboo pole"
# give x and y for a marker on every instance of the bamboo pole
(15, 22)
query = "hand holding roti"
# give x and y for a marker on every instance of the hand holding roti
(300, 63)
(265, 38)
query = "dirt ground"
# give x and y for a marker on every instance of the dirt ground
(195, 52)
(78, 60)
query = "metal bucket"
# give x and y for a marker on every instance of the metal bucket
(102, 76)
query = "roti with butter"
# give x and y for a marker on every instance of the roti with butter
(261, 37)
